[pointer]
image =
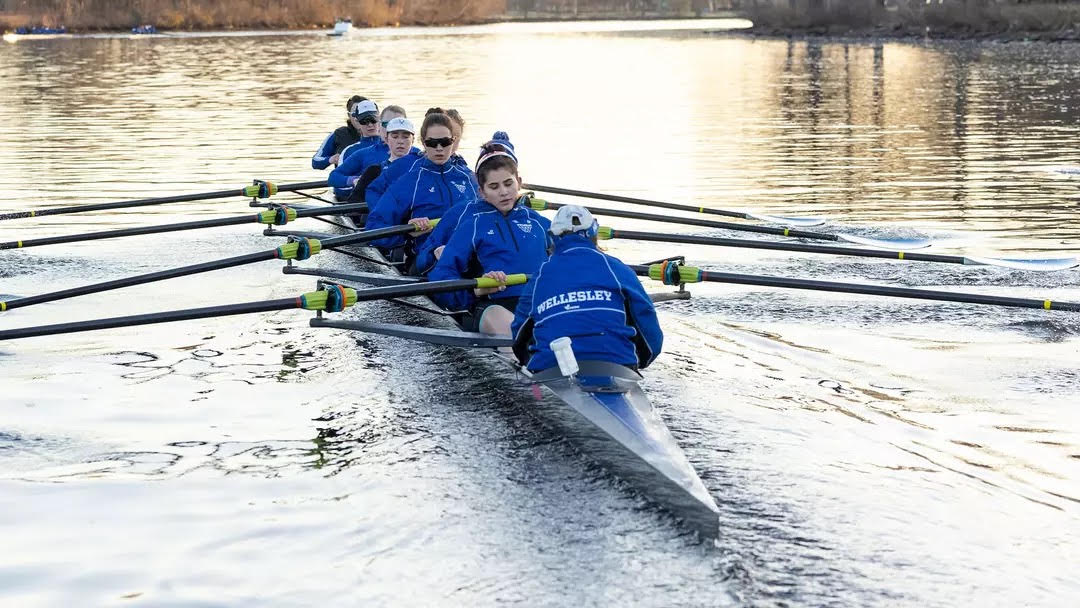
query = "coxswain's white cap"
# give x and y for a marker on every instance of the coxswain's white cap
(400, 124)
(365, 107)
(571, 218)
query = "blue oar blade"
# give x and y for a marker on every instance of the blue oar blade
(898, 244)
(1035, 264)
(801, 222)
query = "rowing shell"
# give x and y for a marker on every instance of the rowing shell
(603, 410)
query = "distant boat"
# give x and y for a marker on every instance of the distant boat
(341, 27)
(144, 29)
(40, 30)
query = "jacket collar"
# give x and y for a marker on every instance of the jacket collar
(567, 241)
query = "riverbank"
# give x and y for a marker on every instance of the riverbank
(1006, 22)
(103, 16)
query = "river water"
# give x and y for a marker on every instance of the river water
(863, 451)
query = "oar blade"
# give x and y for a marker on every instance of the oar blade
(1033, 264)
(800, 222)
(896, 244)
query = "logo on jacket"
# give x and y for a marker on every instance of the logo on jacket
(460, 187)
(526, 227)
(491, 231)
(431, 189)
(574, 297)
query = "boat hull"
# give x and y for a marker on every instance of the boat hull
(606, 414)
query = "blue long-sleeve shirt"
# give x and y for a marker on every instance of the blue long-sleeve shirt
(488, 240)
(425, 256)
(427, 190)
(592, 298)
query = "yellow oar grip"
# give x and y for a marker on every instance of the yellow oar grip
(899, 255)
(605, 233)
(316, 300)
(511, 279)
(1046, 304)
(3, 306)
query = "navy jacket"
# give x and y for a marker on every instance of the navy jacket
(592, 298)
(427, 190)
(338, 140)
(488, 240)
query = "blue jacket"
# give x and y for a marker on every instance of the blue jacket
(400, 167)
(353, 165)
(338, 140)
(489, 240)
(427, 190)
(425, 256)
(390, 174)
(592, 298)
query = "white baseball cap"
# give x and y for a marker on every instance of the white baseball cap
(400, 124)
(572, 218)
(365, 107)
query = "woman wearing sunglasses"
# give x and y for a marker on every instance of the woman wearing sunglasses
(390, 174)
(504, 237)
(433, 185)
(329, 153)
(363, 154)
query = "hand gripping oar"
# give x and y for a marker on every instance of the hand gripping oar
(1036, 264)
(277, 216)
(899, 244)
(804, 222)
(295, 249)
(259, 189)
(333, 298)
(674, 273)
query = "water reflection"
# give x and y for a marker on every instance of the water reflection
(864, 451)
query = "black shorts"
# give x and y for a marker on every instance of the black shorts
(471, 322)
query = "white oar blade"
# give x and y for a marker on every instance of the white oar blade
(801, 222)
(1035, 264)
(891, 244)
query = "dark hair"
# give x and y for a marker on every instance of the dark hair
(495, 162)
(459, 122)
(435, 119)
(355, 99)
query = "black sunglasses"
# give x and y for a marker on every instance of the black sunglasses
(442, 141)
(367, 120)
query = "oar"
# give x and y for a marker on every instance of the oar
(1036, 264)
(297, 249)
(333, 298)
(674, 273)
(804, 222)
(899, 244)
(259, 189)
(277, 216)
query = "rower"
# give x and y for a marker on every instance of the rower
(363, 154)
(367, 117)
(391, 173)
(588, 296)
(504, 237)
(433, 185)
(329, 153)
(433, 246)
